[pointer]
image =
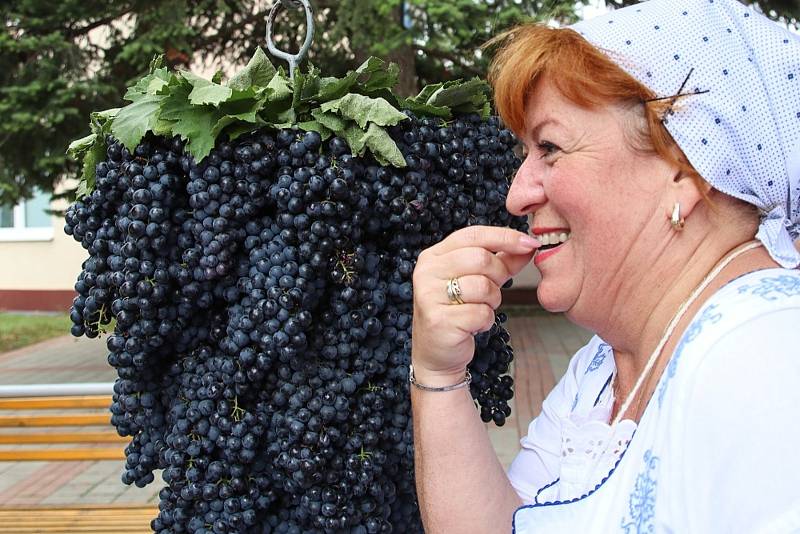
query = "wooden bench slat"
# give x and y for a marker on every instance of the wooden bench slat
(48, 455)
(79, 508)
(62, 437)
(70, 529)
(82, 518)
(61, 402)
(54, 420)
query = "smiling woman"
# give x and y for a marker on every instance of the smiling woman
(662, 179)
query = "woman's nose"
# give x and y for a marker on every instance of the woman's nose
(526, 193)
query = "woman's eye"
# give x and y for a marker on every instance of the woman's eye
(546, 148)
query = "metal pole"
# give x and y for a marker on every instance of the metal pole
(293, 59)
(48, 390)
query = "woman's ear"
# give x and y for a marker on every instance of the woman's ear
(684, 190)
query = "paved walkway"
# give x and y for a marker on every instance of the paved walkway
(543, 344)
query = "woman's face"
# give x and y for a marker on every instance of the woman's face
(582, 177)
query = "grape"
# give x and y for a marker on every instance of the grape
(261, 301)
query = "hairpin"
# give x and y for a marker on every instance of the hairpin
(673, 98)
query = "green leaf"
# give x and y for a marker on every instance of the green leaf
(89, 150)
(134, 120)
(95, 155)
(78, 147)
(375, 74)
(329, 120)
(152, 84)
(426, 93)
(206, 92)
(378, 141)
(364, 109)
(257, 73)
(355, 138)
(193, 123)
(298, 82)
(280, 87)
(311, 84)
(239, 129)
(461, 93)
(421, 108)
(333, 88)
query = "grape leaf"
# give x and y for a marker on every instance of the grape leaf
(133, 121)
(461, 93)
(279, 87)
(79, 147)
(258, 72)
(195, 124)
(329, 120)
(152, 84)
(364, 109)
(378, 75)
(377, 140)
(333, 88)
(383, 147)
(421, 108)
(426, 93)
(206, 92)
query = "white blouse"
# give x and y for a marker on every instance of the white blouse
(717, 448)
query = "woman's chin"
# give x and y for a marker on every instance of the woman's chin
(550, 300)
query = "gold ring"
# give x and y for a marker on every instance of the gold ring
(454, 292)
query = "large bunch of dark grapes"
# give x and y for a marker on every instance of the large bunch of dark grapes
(262, 307)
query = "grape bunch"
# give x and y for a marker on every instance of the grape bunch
(261, 300)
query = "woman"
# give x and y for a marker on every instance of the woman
(663, 162)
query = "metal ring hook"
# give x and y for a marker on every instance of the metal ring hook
(293, 59)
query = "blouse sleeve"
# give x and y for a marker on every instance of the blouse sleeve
(537, 464)
(740, 447)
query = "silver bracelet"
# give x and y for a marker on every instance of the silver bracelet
(412, 380)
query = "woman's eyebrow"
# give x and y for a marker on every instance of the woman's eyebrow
(538, 126)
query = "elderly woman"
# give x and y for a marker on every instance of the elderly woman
(662, 176)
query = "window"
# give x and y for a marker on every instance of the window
(28, 220)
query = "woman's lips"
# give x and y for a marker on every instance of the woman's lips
(542, 255)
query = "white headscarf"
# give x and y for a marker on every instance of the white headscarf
(743, 134)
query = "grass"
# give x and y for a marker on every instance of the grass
(19, 330)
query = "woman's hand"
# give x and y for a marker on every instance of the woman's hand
(483, 258)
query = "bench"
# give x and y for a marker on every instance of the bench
(112, 444)
(66, 422)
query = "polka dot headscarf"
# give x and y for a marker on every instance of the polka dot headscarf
(741, 126)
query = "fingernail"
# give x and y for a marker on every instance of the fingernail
(529, 242)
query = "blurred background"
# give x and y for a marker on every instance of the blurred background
(59, 61)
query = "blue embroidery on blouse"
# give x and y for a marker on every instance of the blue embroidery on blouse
(608, 381)
(536, 499)
(642, 501)
(709, 315)
(773, 287)
(598, 358)
(594, 365)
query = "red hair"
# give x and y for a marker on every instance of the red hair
(584, 75)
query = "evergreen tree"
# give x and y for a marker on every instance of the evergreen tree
(61, 60)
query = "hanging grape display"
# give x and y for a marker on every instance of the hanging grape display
(252, 242)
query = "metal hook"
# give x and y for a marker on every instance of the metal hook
(293, 59)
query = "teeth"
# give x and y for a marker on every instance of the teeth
(553, 238)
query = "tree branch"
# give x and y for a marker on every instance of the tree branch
(83, 30)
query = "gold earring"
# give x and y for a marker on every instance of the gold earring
(677, 221)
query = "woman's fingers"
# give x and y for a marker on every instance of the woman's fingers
(472, 260)
(476, 289)
(464, 318)
(514, 263)
(492, 238)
